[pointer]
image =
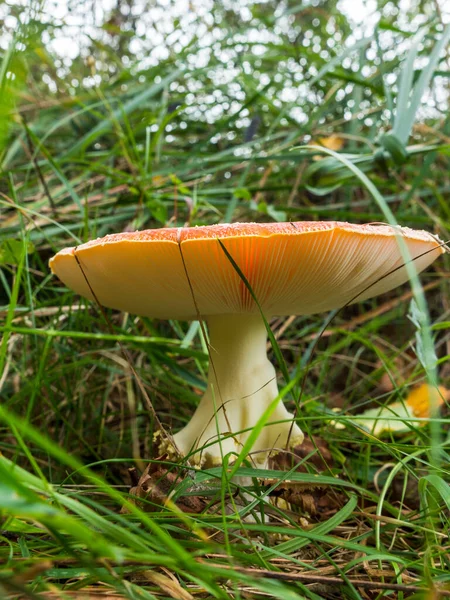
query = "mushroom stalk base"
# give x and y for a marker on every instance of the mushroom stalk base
(241, 386)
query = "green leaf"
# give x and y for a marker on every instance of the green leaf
(12, 251)
(180, 185)
(325, 175)
(242, 193)
(395, 148)
(270, 210)
(441, 487)
(13, 74)
(402, 128)
(427, 359)
(408, 100)
(282, 476)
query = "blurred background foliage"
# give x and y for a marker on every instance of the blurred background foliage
(171, 112)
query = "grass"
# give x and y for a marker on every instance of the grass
(107, 145)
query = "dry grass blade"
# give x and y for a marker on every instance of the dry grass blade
(326, 580)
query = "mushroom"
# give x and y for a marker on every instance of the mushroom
(188, 273)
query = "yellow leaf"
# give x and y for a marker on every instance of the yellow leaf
(424, 398)
(333, 142)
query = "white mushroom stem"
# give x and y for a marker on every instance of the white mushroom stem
(241, 386)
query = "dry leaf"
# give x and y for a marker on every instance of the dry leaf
(315, 447)
(310, 498)
(332, 142)
(156, 485)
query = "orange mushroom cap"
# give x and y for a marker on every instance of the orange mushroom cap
(293, 268)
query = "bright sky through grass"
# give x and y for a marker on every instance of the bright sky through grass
(171, 26)
(82, 19)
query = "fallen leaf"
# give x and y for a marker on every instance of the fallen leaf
(332, 142)
(314, 447)
(311, 498)
(156, 486)
(420, 403)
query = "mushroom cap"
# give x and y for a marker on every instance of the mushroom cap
(293, 268)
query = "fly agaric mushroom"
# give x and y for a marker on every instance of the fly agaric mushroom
(293, 269)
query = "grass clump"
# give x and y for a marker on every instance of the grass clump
(166, 118)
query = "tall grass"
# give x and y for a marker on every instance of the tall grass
(109, 144)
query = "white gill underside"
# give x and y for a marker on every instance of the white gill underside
(241, 386)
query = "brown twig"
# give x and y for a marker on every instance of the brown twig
(259, 194)
(296, 185)
(309, 578)
(323, 579)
